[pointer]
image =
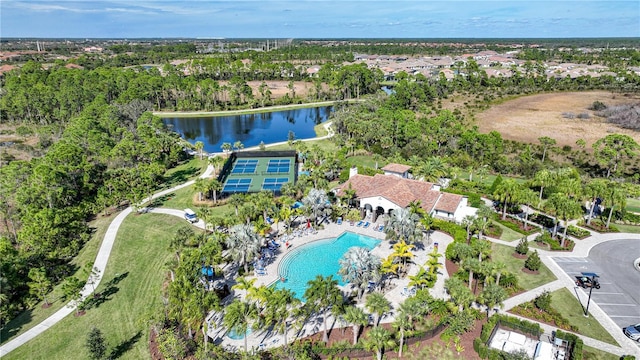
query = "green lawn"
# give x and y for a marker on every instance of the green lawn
(633, 205)
(597, 354)
(628, 228)
(508, 234)
(566, 304)
(366, 161)
(184, 172)
(134, 278)
(34, 316)
(504, 253)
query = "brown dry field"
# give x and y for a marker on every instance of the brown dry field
(528, 118)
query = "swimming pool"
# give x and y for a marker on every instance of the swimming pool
(233, 334)
(320, 257)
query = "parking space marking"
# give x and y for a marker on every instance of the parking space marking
(603, 304)
(607, 293)
(623, 316)
(570, 259)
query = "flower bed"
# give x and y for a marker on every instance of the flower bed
(517, 226)
(550, 316)
(577, 232)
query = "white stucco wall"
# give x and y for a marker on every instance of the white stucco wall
(378, 201)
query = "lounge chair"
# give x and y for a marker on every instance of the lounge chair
(381, 228)
(339, 221)
(366, 224)
(274, 243)
(360, 223)
(260, 272)
(408, 291)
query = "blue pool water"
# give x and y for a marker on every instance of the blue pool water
(320, 257)
(232, 334)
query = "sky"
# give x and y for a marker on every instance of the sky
(319, 19)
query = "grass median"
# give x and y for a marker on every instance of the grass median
(514, 265)
(570, 308)
(132, 283)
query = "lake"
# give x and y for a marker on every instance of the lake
(249, 129)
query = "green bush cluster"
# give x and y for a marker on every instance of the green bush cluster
(549, 316)
(511, 224)
(631, 218)
(523, 246)
(533, 262)
(599, 226)
(578, 344)
(555, 244)
(577, 232)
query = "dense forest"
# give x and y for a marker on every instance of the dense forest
(100, 146)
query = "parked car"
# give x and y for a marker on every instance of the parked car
(190, 216)
(633, 332)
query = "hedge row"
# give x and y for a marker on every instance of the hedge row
(516, 227)
(577, 343)
(457, 232)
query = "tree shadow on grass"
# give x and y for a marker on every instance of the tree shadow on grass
(125, 346)
(15, 325)
(106, 294)
(159, 201)
(181, 176)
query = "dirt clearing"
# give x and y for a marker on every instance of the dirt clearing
(527, 118)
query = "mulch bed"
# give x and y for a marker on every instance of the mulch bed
(518, 256)
(527, 271)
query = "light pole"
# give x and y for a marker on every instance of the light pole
(593, 277)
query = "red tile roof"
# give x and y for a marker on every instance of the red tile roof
(396, 168)
(401, 192)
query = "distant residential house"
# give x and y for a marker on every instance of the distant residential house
(398, 170)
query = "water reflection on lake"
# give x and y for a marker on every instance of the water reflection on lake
(250, 129)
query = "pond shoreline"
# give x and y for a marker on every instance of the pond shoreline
(198, 114)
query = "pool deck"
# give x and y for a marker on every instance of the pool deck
(261, 339)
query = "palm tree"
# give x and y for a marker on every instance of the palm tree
(526, 197)
(402, 251)
(322, 294)
(316, 201)
(427, 222)
(614, 195)
(216, 162)
(593, 190)
(565, 209)
(403, 225)
(492, 295)
(199, 147)
(243, 244)
(236, 200)
(201, 187)
(467, 222)
(481, 225)
(506, 192)
(214, 186)
(402, 323)
(357, 318)
(280, 305)
(357, 267)
(377, 339)
(498, 268)
(226, 147)
(377, 304)
(460, 294)
(240, 316)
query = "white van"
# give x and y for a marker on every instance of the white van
(190, 216)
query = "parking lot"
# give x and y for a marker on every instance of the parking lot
(619, 294)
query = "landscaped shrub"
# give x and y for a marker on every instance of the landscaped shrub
(517, 226)
(523, 246)
(542, 220)
(599, 226)
(543, 301)
(631, 218)
(555, 244)
(493, 231)
(510, 281)
(577, 232)
(533, 262)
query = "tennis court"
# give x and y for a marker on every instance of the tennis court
(255, 171)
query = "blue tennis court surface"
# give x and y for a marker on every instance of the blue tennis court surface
(279, 166)
(237, 185)
(274, 184)
(243, 166)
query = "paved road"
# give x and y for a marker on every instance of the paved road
(619, 295)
